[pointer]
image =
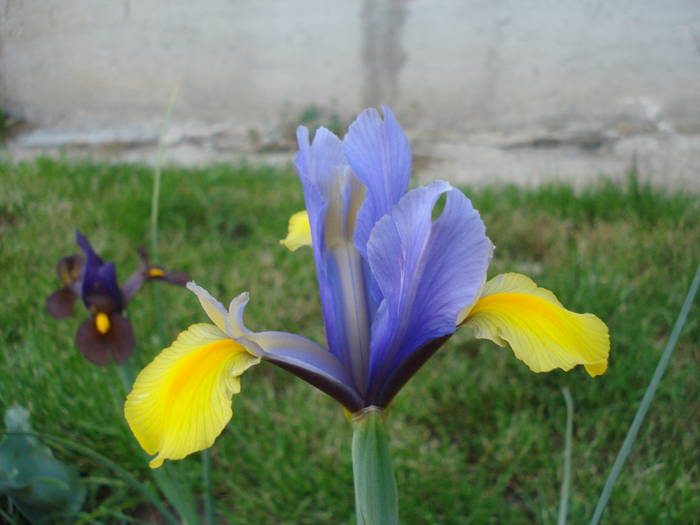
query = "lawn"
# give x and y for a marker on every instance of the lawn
(476, 437)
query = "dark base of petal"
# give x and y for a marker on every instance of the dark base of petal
(116, 344)
(382, 392)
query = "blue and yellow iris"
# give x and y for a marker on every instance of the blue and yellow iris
(394, 284)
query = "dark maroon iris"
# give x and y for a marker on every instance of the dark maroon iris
(107, 334)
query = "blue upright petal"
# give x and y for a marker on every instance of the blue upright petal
(380, 156)
(427, 272)
(333, 196)
(99, 284)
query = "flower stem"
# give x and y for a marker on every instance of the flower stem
(566, 478)
(206, 483)
(125, 372)
(376, 500)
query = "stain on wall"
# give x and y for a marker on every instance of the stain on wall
(383, 56)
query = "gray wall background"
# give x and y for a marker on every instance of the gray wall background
(473, 81)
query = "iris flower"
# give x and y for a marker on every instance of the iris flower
(395, 284)
(107, 334)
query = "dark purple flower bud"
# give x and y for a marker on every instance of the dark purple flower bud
(107, 334)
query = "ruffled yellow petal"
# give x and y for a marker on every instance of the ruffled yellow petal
(299, 231)
(512, 309)
(181, 401)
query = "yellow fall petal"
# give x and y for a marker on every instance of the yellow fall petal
(513, 310)
(299, 231)
(181, 401)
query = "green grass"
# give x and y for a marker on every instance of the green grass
(476, 437)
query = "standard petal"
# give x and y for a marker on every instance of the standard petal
(99, 278)
(333, 196)
(181, 401)
(99, 348)
(299, 233)
(380, 156)
(427, 272)
(542, 333)
(213, 308)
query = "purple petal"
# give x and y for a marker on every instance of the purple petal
(308, 361)
(333, 196)
(427, 272)
(148, 272)
(300, 356)
(99, 279)
(380, 156)
(133, 283)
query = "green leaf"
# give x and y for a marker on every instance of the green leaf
(39, 485)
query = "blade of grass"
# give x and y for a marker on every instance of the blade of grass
(206, 486)
(111, 465)
(155, 197)
(155, 206)
(646, 401)
(10, 519)
(566, 478)
(178, 492)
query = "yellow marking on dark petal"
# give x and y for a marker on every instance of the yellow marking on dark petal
(155, 272)
(102, 323)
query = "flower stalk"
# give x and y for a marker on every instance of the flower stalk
(376, 500)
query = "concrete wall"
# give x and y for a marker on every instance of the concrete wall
(467, 64)
(524, 70)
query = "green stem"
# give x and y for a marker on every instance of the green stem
(646, 401)
(376, 500)
(566, 478)
(125, 372)
(206, 482)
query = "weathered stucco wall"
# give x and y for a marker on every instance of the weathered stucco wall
(512, 73)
